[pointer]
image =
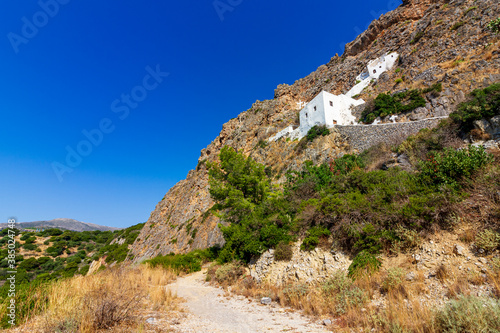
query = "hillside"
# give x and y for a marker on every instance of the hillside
(438, 42)
(63, 224)
(52, 254)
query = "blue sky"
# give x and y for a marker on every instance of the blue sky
(73, 67)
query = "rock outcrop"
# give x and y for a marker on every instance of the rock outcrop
(438, 41)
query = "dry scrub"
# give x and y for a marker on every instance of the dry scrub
(104, 300)
(385, 301)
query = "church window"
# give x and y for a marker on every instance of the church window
(314, 108)
(331, 103)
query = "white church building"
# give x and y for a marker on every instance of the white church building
(330, 110)
(327, 109)
(384, 63)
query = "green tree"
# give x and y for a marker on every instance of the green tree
(238, 184)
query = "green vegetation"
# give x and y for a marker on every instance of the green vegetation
(316, 131)
(241, 190)
(457, 25)
(283, 252)
(91, 245)
(314, 235)
(386, 104)
(488, 240)
(469, 314)
(484, 103)
(366, 212)
(469, 10)
(417, 37)
(262, 144)
(185, 263)
(344, 292)
(494, 26)
(364, 263)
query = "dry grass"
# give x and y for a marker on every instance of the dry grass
(104, 300)
(404, 306)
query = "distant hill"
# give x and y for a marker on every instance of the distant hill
(63, 224)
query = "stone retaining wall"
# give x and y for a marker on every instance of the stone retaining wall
(361, 137)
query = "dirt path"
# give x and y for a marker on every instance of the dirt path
(209, 311)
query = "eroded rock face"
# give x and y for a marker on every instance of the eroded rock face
(304, 267)
(461, 59)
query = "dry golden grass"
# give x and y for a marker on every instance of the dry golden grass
(110, 298)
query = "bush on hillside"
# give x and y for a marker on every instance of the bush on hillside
(451, 166)
(346, 164)
(364, 263)
(317, 131)
(386, 104)
(314, 235)
(488, 240)
(484, 103)
(283, 252)
(494, 25)
(469, 314)
(185, 263)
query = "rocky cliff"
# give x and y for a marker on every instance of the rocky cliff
(438, 41)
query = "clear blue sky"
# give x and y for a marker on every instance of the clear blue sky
(70, 69)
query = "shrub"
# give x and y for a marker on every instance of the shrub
(27, 236)
(186, 263)
(393, 279)
(363, 263)
(452, 166)
(469, 314)
(262, 144)
(316, 131)
(494, 25)
(488, 240)
(484, 103)
(398, 80)
(229, 273)
(84, 270)
(407, 239)
(283, 252)
(314, 235)
(346, 164)
(30, 247)
(435, 89)
(385, 104)
(296, 291)
(345, 294)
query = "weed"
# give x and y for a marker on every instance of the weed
(469, 314)
(364, 263)
(488, 240)
(457, 25)
(494, 26)
(283, 252)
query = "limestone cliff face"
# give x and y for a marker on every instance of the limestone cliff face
(438, 40)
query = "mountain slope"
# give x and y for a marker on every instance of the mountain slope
(438, 41)
(63, 224)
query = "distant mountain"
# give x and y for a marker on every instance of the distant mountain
(63, 224)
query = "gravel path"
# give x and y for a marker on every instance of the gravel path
(209, 311)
